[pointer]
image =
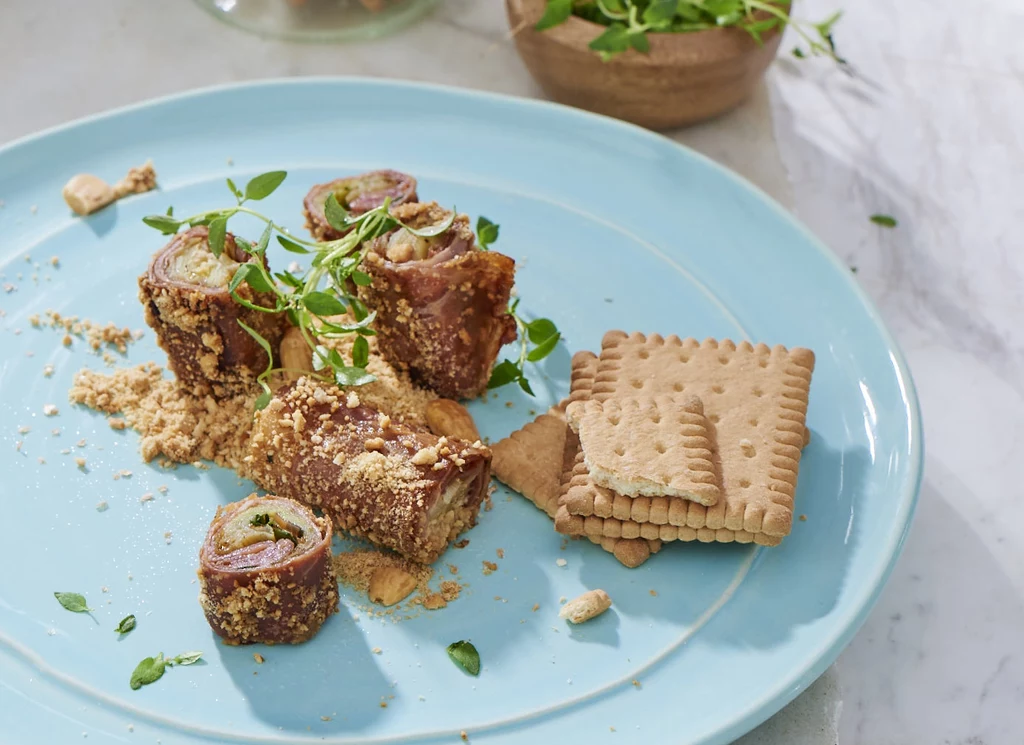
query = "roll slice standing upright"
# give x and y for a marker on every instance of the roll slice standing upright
(265, 572)
(357, 194)
(188, 305)
(441, 302)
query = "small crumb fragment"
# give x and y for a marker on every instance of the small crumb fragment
(258, 657)
(377, 650)
(117, 423)
(80, 443)
(383, 704)
(611, 729)
(55, 431)
(42, 461)
(464, 736)
(422, 698)
(561, 599)
(104, 589)
(162, 489)
(24, 430)
(352, 401)
(131, 727)
(536, 607)
(102, 505)
(803, 518)
(54, 261)
(50, 410)
(167, 537)
(47, 371)
(561, 562)
(124, 473)
(636, 683)
(501, 553)
(654, 593)
(147, 497)
(461, 544)
(80, 462)
(66, 341)
(325, 719)
(453, 569)
(375, 443)
(489, 567)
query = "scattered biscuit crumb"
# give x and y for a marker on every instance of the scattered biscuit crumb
(636, 683)
(80, 443)
(453, 569)
(536, 607)
(377, 650)
(654, 593)
(587, 606)
(54, 261)
(325, 719)
(162, 489)
(561, 562)
(50, 410)
(147, 497)
(489, 567)
(258, 657)
(116, 422)
(501, 553)
(383, 704)
(611, 729)
(24, 430)
(461, 544)
(102, 506)
(803, 518)
(464, 736)
(562, 599)
(55, 432)
(80, 462)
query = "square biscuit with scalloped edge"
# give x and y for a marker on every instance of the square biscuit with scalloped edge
(755, 401)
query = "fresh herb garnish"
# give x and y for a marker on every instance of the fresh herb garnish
(628, 22)
(486, 232)
(126, 625)
(464, 655)
(541, 334)
(312, 300)
(152, 669)
(886, 221)
(73, 602)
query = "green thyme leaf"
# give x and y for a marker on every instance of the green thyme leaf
(352, 376)
(73, 602)
(289, 279)
(258, 337)
(254, 275)
(322, 304)
(126, 625)
(798, 53)
(503, 373)
(614, 40)
(187, 658)
(486, 232)
(164, 223)
(886, 221)
(336, 214)
(150, 670)
(543, 349)
(290, 245)
(464, 654)
(360, 352)
(525, 385)
(540, 330)
(639, 42)
(264, 241)
(234, 189)
(264, 185)
(362, 279)
(556, 13)
(263, 400)
(659, 13)
(217, 234)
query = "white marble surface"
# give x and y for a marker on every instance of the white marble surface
(931, 133)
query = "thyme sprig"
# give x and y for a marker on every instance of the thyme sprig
(314, 301)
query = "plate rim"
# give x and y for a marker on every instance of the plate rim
(786, 688)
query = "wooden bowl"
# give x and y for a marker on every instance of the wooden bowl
(686, 78)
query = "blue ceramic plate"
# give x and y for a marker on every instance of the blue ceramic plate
(613, 227)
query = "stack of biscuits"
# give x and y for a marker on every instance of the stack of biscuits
(666, 439)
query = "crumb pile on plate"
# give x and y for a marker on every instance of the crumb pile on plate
(666, 439)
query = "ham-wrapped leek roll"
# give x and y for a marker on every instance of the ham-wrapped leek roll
(441, 302)
(265, 572)
(397, 486)
(357, 194)
(187, 304)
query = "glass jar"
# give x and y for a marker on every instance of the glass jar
(319, 20)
